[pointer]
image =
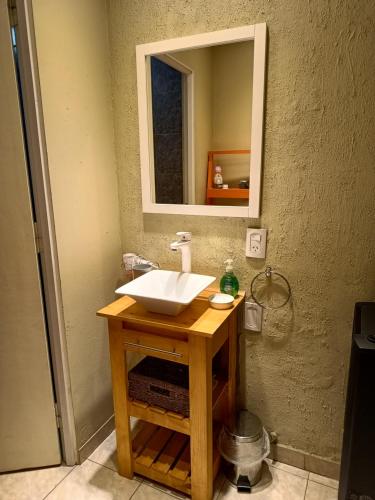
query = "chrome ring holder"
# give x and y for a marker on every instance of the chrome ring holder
(268, 273)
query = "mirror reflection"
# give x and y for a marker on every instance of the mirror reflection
(200, 117)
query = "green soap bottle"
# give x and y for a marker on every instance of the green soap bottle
(229, 283)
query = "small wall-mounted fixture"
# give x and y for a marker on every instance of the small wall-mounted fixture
(256, 243)
(253, 314)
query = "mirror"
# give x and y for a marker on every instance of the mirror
(201, 122)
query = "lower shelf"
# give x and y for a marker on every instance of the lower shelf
(163, 455)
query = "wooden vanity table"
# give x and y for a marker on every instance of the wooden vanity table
(169, 448)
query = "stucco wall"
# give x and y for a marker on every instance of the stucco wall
(73, 56)
(317, 202)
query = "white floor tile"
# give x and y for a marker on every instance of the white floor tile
(97, 481)
(105, 453)
(275, 484)
(316, 491)
(164, 489)
(176, 494)
(326, 481)
(146, 492)
(31, 485)
(92, 481)
(288, 468)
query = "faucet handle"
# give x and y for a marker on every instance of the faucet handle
(184, 235)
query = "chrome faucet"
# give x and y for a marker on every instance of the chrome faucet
(183, 245)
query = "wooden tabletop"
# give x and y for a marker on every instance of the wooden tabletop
(198, 318)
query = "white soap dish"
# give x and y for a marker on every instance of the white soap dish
(221, 301)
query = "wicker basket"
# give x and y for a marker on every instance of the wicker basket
(161, 383)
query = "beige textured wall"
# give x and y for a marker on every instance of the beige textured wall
(232, 85)
(317, 202)
(73, 55)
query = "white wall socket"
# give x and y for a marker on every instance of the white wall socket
(253, 315)
(256, 243)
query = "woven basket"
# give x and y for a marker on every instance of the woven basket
(161, 383)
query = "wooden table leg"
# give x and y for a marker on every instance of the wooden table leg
(120, 396)
(232, 368)
(200, 387)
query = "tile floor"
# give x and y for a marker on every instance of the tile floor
(97, 479)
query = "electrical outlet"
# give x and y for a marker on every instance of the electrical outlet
(256, 242)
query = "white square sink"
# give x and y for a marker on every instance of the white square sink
(166, 292)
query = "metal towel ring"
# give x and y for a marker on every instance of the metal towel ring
(268, 274)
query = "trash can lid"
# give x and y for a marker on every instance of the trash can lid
(247, 428)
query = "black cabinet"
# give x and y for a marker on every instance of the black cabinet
(357, 475)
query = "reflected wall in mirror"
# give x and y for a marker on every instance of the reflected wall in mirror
(204, 93)
(200, 136)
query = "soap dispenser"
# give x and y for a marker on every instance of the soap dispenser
(229, 283)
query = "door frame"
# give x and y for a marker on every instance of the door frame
(46, 237)
(188, 160)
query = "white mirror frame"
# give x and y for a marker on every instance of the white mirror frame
(256, 32)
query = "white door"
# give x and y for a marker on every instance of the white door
(28, 431)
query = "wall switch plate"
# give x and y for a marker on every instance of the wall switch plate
(253, 315)
(256, 243)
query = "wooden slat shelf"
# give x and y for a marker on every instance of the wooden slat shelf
(169, 419)
(164, 456)
(159, 416)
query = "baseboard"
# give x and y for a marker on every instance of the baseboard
(302, 460)
(96, 439)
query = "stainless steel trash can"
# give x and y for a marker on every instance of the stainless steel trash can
(244, 447)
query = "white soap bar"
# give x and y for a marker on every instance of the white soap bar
(221, 300)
